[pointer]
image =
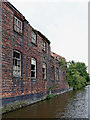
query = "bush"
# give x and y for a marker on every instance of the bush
(49, 96)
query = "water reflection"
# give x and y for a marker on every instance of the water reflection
(78, 104)
(71, 104)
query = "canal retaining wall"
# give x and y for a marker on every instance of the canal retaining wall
(18, 102)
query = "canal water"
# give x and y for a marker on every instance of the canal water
(73, 104)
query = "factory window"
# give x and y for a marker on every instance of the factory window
(57, 74)
(43, 45)
(17, 25)
(44, 70)
(52, 73)
(16, 63)
(33, 68)
(33, 37)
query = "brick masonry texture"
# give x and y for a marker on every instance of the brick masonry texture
(0, 57)
(16, 88)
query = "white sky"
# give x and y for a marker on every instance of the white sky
(63, 22)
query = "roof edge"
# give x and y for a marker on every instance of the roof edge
(44, 37)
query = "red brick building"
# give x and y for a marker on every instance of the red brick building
(29, 67)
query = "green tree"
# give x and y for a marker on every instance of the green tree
(76, 75)
(82, 69)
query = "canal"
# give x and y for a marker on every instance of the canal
(71, 104)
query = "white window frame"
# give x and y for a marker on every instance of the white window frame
(17, 25)
(17, 68)
(45, 70)
(33, 37)
(43, 45)
(33, 62)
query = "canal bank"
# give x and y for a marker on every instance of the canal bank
(72, 104)
(19, 103)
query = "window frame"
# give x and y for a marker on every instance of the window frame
(57, 74)
(18, 59)
(53, 73)
(35, 68)
(32, 38)
(43, 45)
(45, 72)
(18, 29)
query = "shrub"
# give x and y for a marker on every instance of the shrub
(49, 96)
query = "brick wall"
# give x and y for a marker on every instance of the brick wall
(0, 52)
(11, 40)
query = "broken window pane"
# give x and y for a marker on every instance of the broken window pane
(32, 74)
(17, 25)
(33, 68)
(44, 45)
(16, 63)
(44, 70)
(33, 37)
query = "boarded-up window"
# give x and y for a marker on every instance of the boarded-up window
(44, 70)
(17, 25)
(16, 63)
(33, 68)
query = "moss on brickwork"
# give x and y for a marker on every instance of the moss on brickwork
(18, 105)
(22, 103)
(13, 106)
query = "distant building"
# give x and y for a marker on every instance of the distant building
(29, 67)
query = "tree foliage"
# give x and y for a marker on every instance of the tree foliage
(82, 69)
(76, 73)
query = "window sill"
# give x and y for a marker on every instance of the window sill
(33, 79)
(21, 34)
(44, 79)
(17, 77)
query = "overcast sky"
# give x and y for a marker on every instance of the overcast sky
(63, 22)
